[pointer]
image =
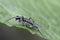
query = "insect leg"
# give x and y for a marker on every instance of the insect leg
(22, 23)
(31, 19)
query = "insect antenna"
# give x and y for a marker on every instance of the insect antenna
(10, 19)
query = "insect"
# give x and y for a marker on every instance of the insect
(28, 22)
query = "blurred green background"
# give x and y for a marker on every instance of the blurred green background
(45, 12)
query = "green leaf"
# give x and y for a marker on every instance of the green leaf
(45, 12)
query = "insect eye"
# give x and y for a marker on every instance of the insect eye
(17, 17)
